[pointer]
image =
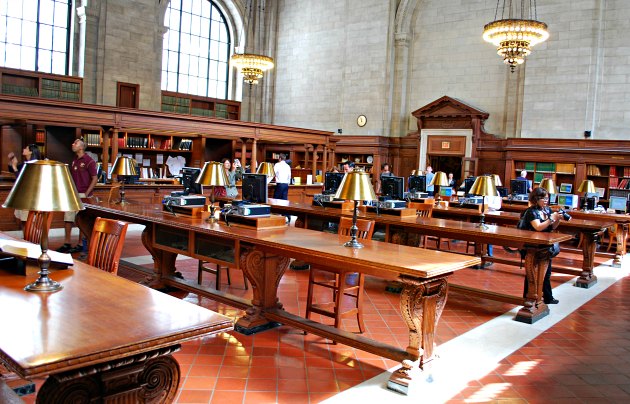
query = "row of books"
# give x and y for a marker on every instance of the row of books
(613, 171)
(593, 170)
(92, 139)
(146, 143)
(623, 183)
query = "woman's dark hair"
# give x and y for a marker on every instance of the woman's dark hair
(384, 165)
(36, 154)
(224, 159)
(538, 194)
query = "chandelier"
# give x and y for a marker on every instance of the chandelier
(516, 32)
(252, 66)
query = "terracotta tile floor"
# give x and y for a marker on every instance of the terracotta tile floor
(583, 358)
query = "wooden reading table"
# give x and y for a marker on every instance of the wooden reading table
(264, 256)
(99, 339)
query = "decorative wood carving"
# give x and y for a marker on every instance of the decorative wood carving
(534, 308)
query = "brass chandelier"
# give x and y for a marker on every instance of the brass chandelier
(252, 66)
(516, 32)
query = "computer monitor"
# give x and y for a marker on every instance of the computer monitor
(393, 187)
(468, 183)
(503, 191)
(255, 188)
(618, 203)
(446, 191)
(417, 183)
(566, 188)
(332, 182)
(568, 201)
(519, 186)
(189, 176)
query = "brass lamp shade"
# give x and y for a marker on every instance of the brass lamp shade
(213, 174)
(356, 186)
(44, 186)
(587, 186)
(124, 166)
(484, 186)
(440, 178)
(497, 180)
(266, 168)
(548, 184)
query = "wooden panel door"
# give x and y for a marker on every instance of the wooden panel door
(128, 95)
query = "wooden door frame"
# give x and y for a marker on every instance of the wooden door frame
(120, 84)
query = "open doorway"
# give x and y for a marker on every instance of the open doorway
(448, 164)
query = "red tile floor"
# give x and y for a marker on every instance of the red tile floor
(583, 358)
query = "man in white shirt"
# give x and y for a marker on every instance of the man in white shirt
(283, 178)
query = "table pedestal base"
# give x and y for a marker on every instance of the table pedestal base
(146, 378)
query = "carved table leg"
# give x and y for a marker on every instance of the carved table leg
(263, 271)
(536, 263)
(163, 261)
(621, 236)
(587, 277)
(421, 304)
(152, 377)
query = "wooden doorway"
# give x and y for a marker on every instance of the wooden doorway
(128, 95)
(448, 164)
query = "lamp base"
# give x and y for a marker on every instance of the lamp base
(43, 284)
(212, 219)
(353, 244)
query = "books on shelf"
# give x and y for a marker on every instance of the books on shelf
(185, 144)
(593, 170)
(92, 139)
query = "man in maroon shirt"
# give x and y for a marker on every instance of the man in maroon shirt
(83, 172)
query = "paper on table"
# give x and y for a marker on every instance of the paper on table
(30, 250)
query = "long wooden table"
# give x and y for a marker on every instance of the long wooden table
(622, 222)
(398, 228)
(100, 339)
(264, 256)
(590, 230)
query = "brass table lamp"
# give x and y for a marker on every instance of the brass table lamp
(587, 187)
(212, 174)
(124, 166)
(439, 180)
(483, 186)
(44, 186)
(266, 168)
(548, 184)
(497, 180)
(356, 186)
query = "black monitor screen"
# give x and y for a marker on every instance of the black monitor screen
(255, 188)
(393, 187)
(189, 176)
(468, 183)
(519, 187)
(417, 183)
(332, 182)
(503, 191)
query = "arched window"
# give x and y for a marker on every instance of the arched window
(35, 35)
(196, 49)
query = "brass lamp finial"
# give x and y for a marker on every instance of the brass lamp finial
(356, 186)
(212, 174)
(44, 186)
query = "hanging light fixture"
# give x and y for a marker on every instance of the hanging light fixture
(251, 65)
(516, 32)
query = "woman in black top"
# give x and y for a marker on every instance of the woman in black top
(539, 217)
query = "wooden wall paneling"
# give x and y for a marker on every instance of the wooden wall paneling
(446, 146)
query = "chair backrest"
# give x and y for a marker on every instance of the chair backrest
(365, 227)
(106, 244)
(114, 194)
(422, 209)
(34, 227)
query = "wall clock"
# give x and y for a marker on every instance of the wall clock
(361, 120)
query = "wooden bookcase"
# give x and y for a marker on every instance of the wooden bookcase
(301, 159)
(200, 106)
(560, 173)
(43, 85)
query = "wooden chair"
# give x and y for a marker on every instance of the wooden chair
(337, 283)
(106, 244)
(426, 210)
(203, 266)
(34, 226)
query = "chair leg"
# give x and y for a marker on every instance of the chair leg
(199, 272)
(360, 303)
(309, 296)
(218, 278)
(227, 271)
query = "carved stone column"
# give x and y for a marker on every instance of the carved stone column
(400, 84)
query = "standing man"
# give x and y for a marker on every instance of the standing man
(83, 172)
(529, 183)
(429, 176)
(283, 178)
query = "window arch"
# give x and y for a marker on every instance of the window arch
(35, 35)
(196, 49)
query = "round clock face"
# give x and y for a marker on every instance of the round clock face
(370, 159)
(361, 120)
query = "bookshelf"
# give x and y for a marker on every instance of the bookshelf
(42, 85)
(364, 161)
(200, 106)
(560, 173)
